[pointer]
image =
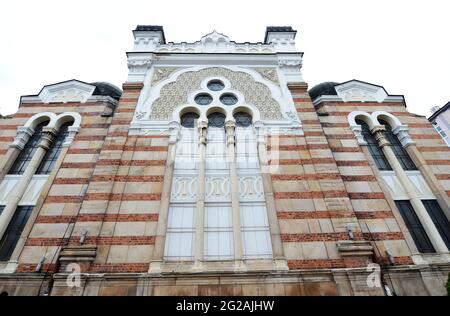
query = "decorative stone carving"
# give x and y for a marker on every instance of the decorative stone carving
(139, 65)
(403, 135)
(290, 65)
(23, 135)
(184, 189)
(72, 131)
(162, 73)
(68, 91)
(175, 93)
(355, 90)
(250, 187)
(378, 133)
(357, 131)
(140, 115)
(269, 73)
(218, 188)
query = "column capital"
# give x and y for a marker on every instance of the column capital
(402, 132)
(357, 131)
(48, 135)
(71, 132)
(378, 133)
(174, 128)
(23, 135)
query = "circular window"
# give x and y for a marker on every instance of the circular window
(215, 85)
(188, 119)
(203, 99)
(243, 119)
(228, 99)
(216, 120)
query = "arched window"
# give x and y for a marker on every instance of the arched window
(398, 149)
(216, 120)
(52, 154)
(243, 119)
(28, 151)
(188, 119)
(376, 152)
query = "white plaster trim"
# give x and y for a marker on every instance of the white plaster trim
(144, 106)
(360, 92)
(60, 92)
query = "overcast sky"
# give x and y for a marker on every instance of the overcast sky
(402, 45)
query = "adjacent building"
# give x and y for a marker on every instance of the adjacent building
(441, 121)
(215, 171)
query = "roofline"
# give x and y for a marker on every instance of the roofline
(376, 85)
(267, 33)
(438, 112)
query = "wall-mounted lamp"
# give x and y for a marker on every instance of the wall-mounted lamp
(350, 232)
(83, 236)
(39, 265)
(390, 257)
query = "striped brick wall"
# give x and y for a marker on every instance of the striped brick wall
(332, 185)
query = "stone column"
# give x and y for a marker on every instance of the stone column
(161, 228)
(234, 183)
(200, 206)
(410, 146)
(48, 134)
(23, 135)
(417, 204)
(274, 226)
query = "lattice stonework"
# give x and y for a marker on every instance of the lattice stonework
(177, 92)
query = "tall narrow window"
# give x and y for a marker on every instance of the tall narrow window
(180, 236)
(397, 148)
(218, 230)
(254, 221)
(52, 154)
(376, 152)
(414, 226)
(439, 219)
(27, 153)
(13, 232)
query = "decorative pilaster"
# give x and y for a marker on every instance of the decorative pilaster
(161, 228)
(274, 226)
(200, 207)
(236, 213)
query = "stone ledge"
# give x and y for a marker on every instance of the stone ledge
(355, 248)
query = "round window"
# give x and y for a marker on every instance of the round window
(243, 119)
(215, 85)
(228, 99)
(203, 99)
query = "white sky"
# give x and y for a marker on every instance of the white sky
(402, 45)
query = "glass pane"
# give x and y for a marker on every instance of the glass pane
(216, 120)
(188, 119)
(415, 227)
(215, 85)
(13, 232)
(203, 99)
(439, 219)
(243, 119)
(27, 153)
(228, 99)
(375, 151)
(400, 152)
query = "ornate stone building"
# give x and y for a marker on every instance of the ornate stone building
(216, 172)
